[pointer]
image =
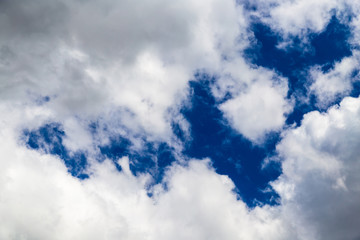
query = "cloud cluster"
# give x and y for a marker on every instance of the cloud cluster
(122, 58)
(125, 66)
(89, 56)
(40, 200)
(318, 188)
(320, 178)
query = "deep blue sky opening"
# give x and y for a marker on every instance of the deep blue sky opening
(230, 152)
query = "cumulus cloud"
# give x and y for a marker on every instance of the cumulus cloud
(318, 189)
(95, 58)
(126, 56)
(125, 66)
(40, 200)
(319, 184)
(337, 82)
(258, 103)
(267, 100)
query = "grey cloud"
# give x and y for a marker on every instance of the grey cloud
(320, 169)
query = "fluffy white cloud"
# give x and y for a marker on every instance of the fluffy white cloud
(122, 60)
(125, 65)
(94, 58)
(40, 200)
(335, 83)
(298, 17)
(258, 111)
(318, 188)
(206, 208)
(258, 103)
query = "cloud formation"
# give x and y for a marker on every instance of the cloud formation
(121, 69)
(320, 172)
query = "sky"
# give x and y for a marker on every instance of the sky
(159, 119)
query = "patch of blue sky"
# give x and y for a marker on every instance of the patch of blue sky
(230, 153)
(325, 49)
(153, 158)
(356, 89)
(211, 137)
(49, 139)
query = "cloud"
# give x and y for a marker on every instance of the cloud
(337, 82)
(259, 101)
(299, 17)
(41, 200)
(320, 172)
(124, 60)
(96, 58)
(320, 166)
(124, 66)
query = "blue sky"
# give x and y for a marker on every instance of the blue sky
(187, 120)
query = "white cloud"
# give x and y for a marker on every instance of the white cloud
(129, 62)
(259, 101)
(259, 111)
(95, 58)
(335, 83)
(298, 17)
(126, 65)
(40, 200)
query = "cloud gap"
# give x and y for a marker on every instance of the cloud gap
(49, 139)
(231, 154)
